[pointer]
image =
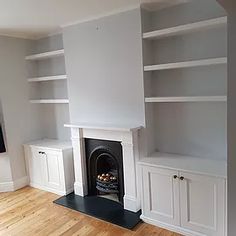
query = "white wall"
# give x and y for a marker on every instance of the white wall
(20, 117)
(104, 66)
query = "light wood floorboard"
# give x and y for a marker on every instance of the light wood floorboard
(31, 212)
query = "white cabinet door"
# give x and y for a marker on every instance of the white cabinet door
(202, 204)
(53, 170)
(161, 195)
(35, 167)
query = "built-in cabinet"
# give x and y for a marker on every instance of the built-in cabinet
(161, 195)
(50, 166)
(185, 202)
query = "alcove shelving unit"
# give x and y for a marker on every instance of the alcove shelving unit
(47, 56)
(184, 167)
(47, 78)
(186, 64)
(187, 99)
(190, 50)
(50, 101)
(187, 28)
(47, 81)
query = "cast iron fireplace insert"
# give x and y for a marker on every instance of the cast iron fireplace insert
(104, 161)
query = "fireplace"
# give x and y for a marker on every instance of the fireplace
(104, 162)
(103, 149)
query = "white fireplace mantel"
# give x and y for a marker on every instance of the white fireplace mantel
(128, 136)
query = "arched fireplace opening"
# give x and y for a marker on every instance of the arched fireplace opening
(105, 169)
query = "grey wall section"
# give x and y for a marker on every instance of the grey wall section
(104, 66)
(20, 117)
(195, 129)
(231, 7)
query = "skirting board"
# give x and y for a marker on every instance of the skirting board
(58, 192)
(14, 185)
(173, 228)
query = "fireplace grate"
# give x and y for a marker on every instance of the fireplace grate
(107, 183)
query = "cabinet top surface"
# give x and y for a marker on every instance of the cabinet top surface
(51, 144)
(217, 168)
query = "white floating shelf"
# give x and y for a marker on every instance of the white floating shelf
(187, 99)
(188, 28)
(50, 101)
(198, 165)
(45, 55)
(47, 78)
(187, 64)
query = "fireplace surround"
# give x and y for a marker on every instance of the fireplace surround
(128, 139)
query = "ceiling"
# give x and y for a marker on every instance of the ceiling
(38, 18)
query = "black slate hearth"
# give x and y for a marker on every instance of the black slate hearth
(101, 208)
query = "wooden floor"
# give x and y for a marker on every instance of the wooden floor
(30, 212)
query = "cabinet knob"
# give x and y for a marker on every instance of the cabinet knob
(42, 153)
(181, 178)
(175, 176)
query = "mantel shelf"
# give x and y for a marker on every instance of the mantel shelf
(187, 64)
(108, 127)
(188, 28)
(47, 78)
(50, 101)
(186, 99)
(45, 55)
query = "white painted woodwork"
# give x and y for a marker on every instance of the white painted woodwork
(187, 64)
(192, 206)
(48, 78)
(50, 165)
(203, 204)
(34, 166)
(188, 28)
(198, 165)
(187, 99)
(161, 195)
(121, 128)
(128, 136)
(51, 171)
(45, 55)
(50, 101)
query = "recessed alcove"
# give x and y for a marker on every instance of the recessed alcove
(185, 79)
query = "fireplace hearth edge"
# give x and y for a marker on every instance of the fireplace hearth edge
(103, 209)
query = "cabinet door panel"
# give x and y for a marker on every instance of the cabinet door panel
(35, 167)
(52, 169)
(161, 195)
(202, 204)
